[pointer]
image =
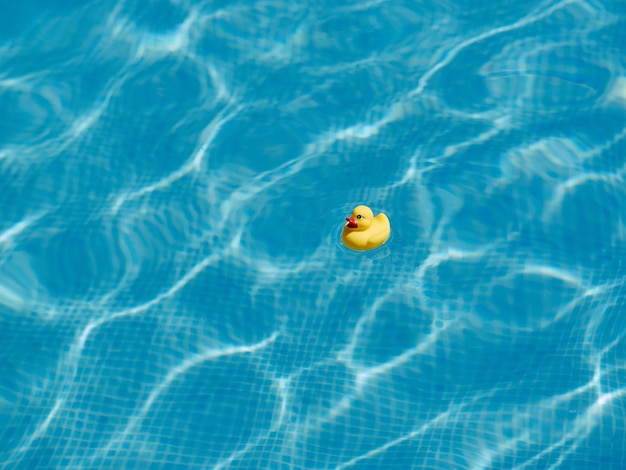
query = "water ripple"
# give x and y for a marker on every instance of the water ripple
(173, 181)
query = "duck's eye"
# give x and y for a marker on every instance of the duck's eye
(359, 217)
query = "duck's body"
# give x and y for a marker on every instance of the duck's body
(363, 231)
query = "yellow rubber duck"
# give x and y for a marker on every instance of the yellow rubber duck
(364, 231)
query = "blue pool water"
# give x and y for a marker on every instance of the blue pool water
(174, 177)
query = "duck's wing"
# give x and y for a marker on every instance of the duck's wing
(382, 231)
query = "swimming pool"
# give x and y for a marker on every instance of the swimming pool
(174, 180)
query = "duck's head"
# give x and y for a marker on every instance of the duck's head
(361, 218)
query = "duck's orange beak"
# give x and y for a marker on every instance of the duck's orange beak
(351, 222)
